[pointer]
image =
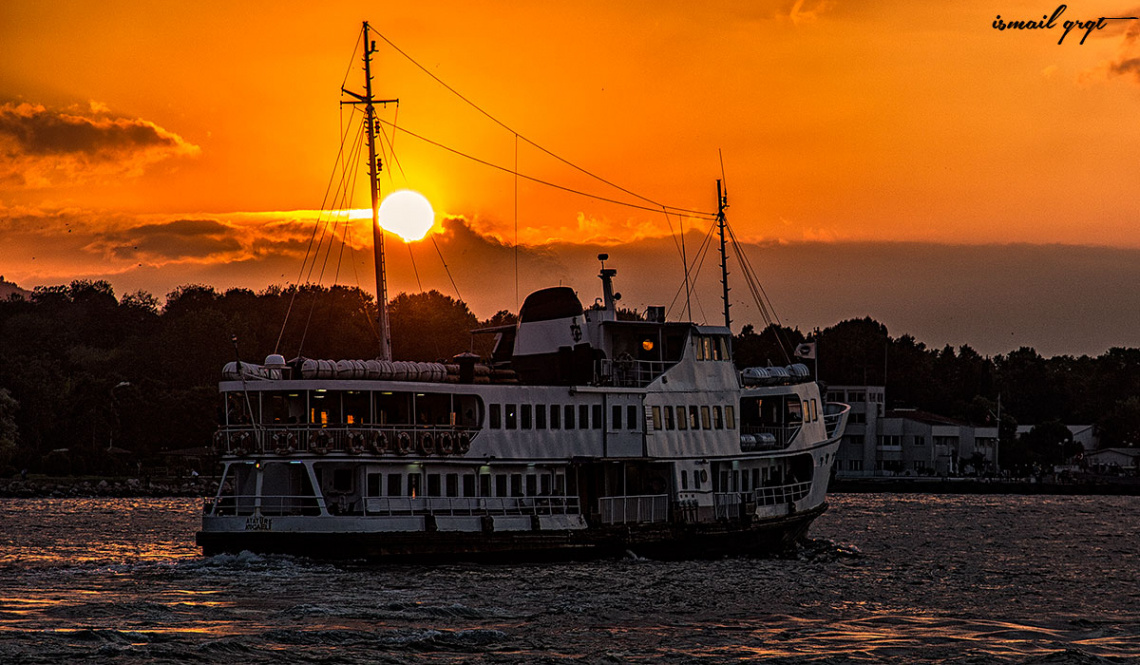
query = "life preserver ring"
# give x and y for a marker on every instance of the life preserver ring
(291, 441)
(219, 439)
(321, 442)
(427, 443)
(355, 442)
(403, 443)
(446, 443)
(379, 443)
(463, 443)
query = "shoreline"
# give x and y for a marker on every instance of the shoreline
(1098, 486)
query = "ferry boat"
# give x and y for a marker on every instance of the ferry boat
(581, 435)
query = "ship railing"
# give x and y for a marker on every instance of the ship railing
(767, 437)
(460, 506)
(269, 505)
(835, 417)
(777, 494)
(287, 439)
(629, 373)
(638, 509)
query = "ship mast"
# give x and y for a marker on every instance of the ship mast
(374, 168)
(721, 205)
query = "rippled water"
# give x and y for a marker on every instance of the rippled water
(887, 578)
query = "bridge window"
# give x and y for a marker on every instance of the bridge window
(512, 416)
(597, 415)
(615, 417)
(433, 484)
(583, 416)
(484, 484)
(693, 422)
(496, 416)
(540, 416)
(555, 417)
(657, 418)
(468, 484)
(631, 416)
(568, 414)
(718, 418)
(501, 485)
(525, 413)
(705, 423)
(682, 419)
(730, 417)
(452, 484)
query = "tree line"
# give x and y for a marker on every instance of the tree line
(89, 382)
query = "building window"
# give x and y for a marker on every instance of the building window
(858, 418)
(855, 465)
(919, 440)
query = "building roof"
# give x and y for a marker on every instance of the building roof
(1127, 452)
(925, 417)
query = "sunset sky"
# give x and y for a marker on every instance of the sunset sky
(901, 160)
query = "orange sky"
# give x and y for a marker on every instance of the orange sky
(155, 143)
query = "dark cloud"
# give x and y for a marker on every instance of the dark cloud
(42, 147)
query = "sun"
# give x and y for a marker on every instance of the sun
(406, 213)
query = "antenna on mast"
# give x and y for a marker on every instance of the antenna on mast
(374, 168)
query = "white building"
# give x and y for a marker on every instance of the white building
(906, 442)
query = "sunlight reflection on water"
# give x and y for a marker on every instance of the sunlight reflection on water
(888, 578)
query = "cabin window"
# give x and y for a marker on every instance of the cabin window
(814, 410)
(516, 484)
(705, 420)
(657, 418)
(433, 484)
(414, 489)
(668, 417)
(730, 417)
(451, 481)
(615, 417)
(555, 417)
(512, 416)
(501, 485)
(744, 481)
(525, 415)
(700, 347)
(756, 478)
(531, 484)
(545, 484)
(342, 480)
(682, 418)
(718, 418)
(394, 484)
(693, 422)
(706, 343)
(559, 484)
(374, 482)
(684, 479)
(597, 416)
(696, 479)
(540, 416)
(631, 416)
(468, 484)
(583, 416)
(568, 412)
(496, 416)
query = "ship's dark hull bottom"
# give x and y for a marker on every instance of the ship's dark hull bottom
(652, 541)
